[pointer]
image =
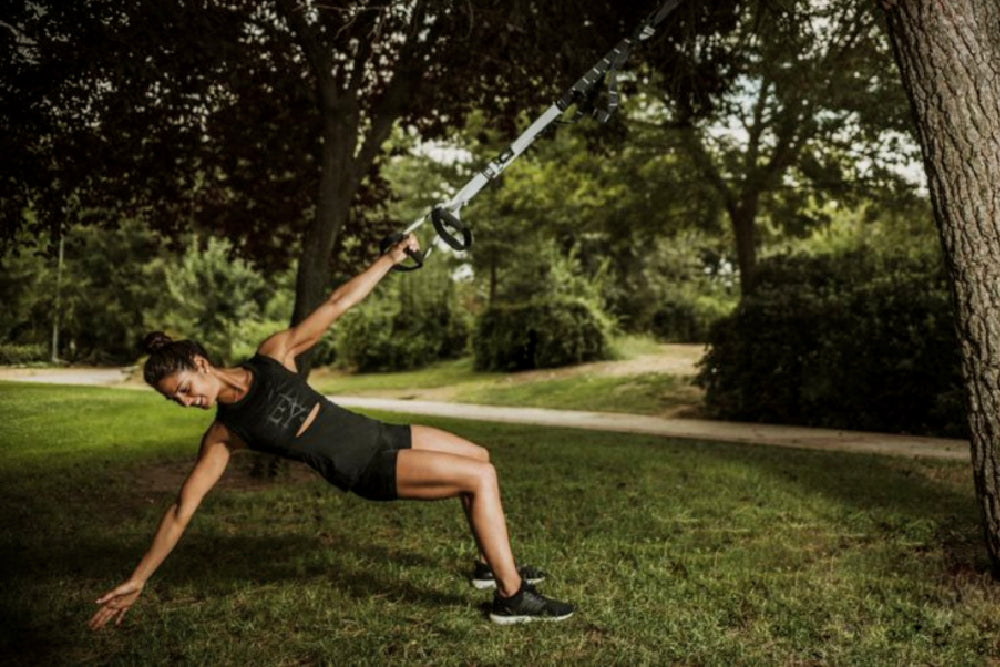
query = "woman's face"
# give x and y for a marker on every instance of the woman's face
(191, 388)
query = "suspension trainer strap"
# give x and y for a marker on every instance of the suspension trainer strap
(584, 91)
(446, 218)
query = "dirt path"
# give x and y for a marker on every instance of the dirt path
(689, 429)
(674, 358)
(680, 360)
(88, 376)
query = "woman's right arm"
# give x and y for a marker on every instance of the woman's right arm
(212, 460)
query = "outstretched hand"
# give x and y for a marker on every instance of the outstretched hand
(399, 253)
(115, 604)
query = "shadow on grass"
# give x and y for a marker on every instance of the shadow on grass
(869, 482)
(597, 485)
(213, 567)
(895, 493)
(72, 563)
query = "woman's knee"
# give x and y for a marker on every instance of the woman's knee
(471, 449)
(485, 477)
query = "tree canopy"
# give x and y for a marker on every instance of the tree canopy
(267, 122)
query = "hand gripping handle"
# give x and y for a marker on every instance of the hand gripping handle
(417, 256)
(443, 219)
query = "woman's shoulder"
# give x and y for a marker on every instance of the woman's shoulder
(267, 357)
(262, 359)
(276, 348)
(220, 432)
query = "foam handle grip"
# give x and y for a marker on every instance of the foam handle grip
(418, 257)
(443, 220)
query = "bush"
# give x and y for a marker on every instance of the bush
(543, 334)
(12, 354)
(384, 338)
(682, 319)
(845, 341)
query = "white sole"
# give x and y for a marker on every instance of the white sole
(514, 620)
(491, 583)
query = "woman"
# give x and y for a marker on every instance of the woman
(264, 405)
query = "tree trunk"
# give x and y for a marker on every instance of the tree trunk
(744, 221)
(949, 57)
(337, 187)
(57, 310)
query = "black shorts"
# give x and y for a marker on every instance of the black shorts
(378, 480)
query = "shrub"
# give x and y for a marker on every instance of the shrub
(544, 334)
(12, 354)
(386, 337)
(840, 341)
(683, 319)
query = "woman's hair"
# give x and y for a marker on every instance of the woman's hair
(168, 356)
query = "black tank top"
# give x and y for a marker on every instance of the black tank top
(339, 444)
(269, 417)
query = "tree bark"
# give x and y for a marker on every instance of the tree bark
(743, 217)
(949, 57)
(338, 184)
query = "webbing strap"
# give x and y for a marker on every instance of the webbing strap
(584, 91)
(583, 88)
(581, 93)
(499, 163)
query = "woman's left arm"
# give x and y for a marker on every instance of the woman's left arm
(290, 343)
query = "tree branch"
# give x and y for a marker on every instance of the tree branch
(392, 102)
(313, 48)
(695, 148)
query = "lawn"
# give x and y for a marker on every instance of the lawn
(584, 387)
(689, 553)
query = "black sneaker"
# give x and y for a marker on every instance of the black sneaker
(528, 605)
(482, 575)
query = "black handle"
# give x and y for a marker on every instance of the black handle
(418, 257)
(444, 219)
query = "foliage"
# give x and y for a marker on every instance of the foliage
(218, 300)
(812, 112)
(16, 355)
(411, 321)
(110, 279)
(263, 122)
(845, 341)
(627, 220)
(27, 292)
(681, 319)
(118, 284)
(675, 287)
(547, 313)
(539, 334)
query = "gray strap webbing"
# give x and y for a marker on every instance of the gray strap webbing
(583, 89)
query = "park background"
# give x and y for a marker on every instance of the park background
(759, 193)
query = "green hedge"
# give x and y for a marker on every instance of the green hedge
(378, 339)
(683, 319)
(12, 354)
(539, 335)
(848, 341)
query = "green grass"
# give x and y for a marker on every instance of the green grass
(646, 393)
(568, 389)
(631, 346)
(689, 553)
(436, 376)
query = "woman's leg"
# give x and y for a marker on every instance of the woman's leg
(433, 439)
(441, 465)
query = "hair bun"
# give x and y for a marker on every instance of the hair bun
(155, 341)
